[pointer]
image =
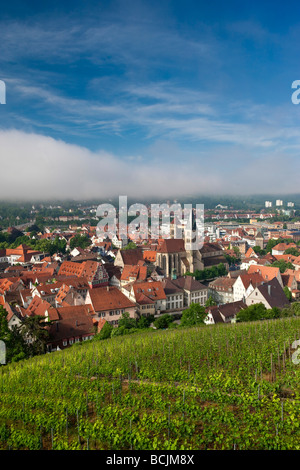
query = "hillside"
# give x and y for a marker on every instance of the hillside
(232, 386)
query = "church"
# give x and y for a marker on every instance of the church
(173, 259)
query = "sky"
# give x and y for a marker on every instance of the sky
(139, 98)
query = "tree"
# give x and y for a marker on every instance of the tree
(292, 251)
(295, 308)
(163, 321)
(288, 293)
(57, 246)
(121, 330)
(40, 222)
(209, 273)
(213, 272)
(251, 313)
(221, 269)
(130, 246)
(16, 347)
(210, 301)
(126, 321)
(230, 259)
(273, 242)
(282, 265)
(33, 329)
(257, 312)
(194, 315)
(81, 241)
(4, 330)
(237, 251)
(106, 331)
(257, 249)
(145, 322)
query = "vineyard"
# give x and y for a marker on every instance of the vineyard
(222, 387)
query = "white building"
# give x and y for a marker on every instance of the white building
(245, 284)
(270, 294)
(119, 242)
(247, 263)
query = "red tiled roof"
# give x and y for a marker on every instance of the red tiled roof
(287, 279)
(85, 269)
(171, 245)
(149, 255)
(267, 272)
(293, 273)
(71, 322)
(250, 253)
(37, 306)
(23, 251)
(152, 290)
(111, 298)
(137, 272)
(131, 256)
(286, 258)
(223, 283)
(255, 279)
(284, 246)
(5, 285)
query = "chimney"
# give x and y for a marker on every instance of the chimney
(269, 290)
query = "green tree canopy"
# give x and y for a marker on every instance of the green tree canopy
(210, 301)
(288, 293)
(163, 321)
(130, 246)
(126, 321)
(257, 249)
(105, 331)
(16, 346)
(257, 312)
(273, 242)
(33, 329)
(292, 251)
(81, 241)
(193, 315)
(209, 273)
(282, 265)
(145, 322)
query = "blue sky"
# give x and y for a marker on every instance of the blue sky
(154, 98)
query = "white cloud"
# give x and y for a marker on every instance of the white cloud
(39, 167)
